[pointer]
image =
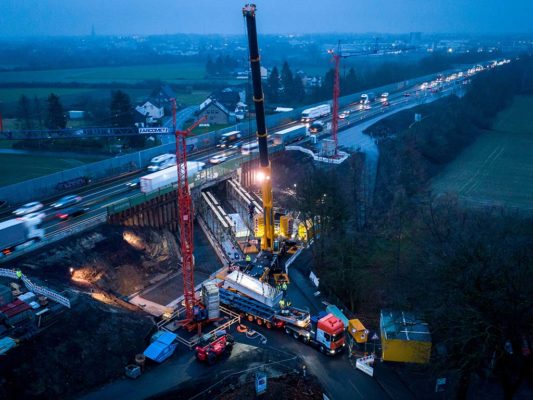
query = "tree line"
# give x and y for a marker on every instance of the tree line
(464, 271)
(33, 114)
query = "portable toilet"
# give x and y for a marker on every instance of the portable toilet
(358, 331)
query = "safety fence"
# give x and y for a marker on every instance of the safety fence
(32, 287)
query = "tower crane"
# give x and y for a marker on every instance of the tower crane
(267, 241)
(185, 215)
(336, 57)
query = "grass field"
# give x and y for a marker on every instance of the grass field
(130, 74)
(498, 167)
(17, 168)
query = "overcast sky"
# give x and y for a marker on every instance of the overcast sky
(75, 17)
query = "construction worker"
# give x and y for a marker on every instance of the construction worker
(288, 303)
(248, 259)
(282, 304)
(19, 274)
(284, 288)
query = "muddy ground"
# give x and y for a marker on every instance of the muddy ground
(91, 343)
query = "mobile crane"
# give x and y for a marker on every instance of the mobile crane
(265, 173)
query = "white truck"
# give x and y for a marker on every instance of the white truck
(367, 98)
(161, 162)
(167, 176)
(18, 233)
(289, 135)
(313, 113)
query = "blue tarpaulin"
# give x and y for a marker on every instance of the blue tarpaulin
(162, 347)
(6, 344)
(338, 313)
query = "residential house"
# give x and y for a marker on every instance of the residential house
(216, 113)
(151, 114)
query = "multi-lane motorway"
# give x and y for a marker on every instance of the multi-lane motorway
(97, 197)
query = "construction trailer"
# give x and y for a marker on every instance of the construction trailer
(404, 338)
(259, 302)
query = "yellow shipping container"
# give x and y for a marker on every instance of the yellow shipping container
(404, 338)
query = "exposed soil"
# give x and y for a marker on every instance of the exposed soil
(116, 260)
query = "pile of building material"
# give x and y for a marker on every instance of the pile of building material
(211, 299)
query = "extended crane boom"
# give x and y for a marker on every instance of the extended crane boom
(267, 241)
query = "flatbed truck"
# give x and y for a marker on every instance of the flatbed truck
(259, 302)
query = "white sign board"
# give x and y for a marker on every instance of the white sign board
(154, 130)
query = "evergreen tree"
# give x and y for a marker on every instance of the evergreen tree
(121, 109)
(24, 112)
(272, 86)
(287, 82)
(351, 83)
(122, 116)
(298, 91)
(38, 112)
(219, 65)
(55, 118)
(210, 67)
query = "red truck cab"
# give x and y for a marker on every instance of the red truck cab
(330, 334)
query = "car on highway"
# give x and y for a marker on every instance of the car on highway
(35, 218)
(66, 201)
(71, 212)
(344, 114)
(407, 94)
(219, 158)
(28, 208)
(134, 184)
(385, 104)
(316, 127)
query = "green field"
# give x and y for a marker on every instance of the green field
(498, 167)
(17, 168)
(129, 74)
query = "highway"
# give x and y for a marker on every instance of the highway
(98, 196)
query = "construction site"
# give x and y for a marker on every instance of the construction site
(196, 277)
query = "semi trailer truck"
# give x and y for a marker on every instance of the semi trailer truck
(310, 114)
(167, 176)
(18, 233)
(290, 135)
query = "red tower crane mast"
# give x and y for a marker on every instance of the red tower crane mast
(336, 93)
(337, 89)
(185, 215)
